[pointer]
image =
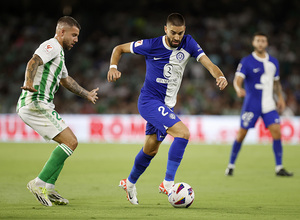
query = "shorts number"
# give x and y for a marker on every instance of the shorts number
(162, 110)
(56, 114)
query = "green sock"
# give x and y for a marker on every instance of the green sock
(54, 177)
(55, 162)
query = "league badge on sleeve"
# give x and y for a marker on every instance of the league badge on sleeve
(138, 43)
(48, 48)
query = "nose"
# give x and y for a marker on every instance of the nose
(176, 37)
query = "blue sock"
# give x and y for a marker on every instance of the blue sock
(141, 162)
(176, 152)
(277, 148)
(234, 152)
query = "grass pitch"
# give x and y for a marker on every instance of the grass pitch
(91, 176)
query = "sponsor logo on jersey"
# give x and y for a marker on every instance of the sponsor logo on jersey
(138, 43)
(256, 70)
(168, 70)
(48, 48)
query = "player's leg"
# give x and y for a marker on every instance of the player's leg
(277, 148)
(141, 162)
(50, 172)
(236, 147)
(50, 126)
(248, 120)
(181, 136)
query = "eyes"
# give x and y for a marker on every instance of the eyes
(179, 33)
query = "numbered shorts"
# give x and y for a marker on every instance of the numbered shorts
(159, 117)
(43, 119)
(248, 119)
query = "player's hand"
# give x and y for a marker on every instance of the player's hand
(222, 82)
(92, 96)
(241, 93)
(113, 74)
(29, 88)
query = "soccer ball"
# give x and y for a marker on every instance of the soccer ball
(181, 195)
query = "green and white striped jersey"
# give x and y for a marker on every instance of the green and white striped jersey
(48, 75)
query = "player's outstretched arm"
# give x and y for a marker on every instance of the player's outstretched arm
(214, 71)
(238, 86)
(30, 72)
(113, 73)
(74, 87)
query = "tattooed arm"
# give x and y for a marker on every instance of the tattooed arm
(74, 87)
(278, 92)
(30, 72)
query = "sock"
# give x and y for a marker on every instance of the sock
(50, 186)
(236, 147)
(39, 182)
(56, 160)
(277, 148)
(168, 184)
(141, 162)
(54, 177)
(175, 155)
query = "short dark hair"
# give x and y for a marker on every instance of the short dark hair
(69, 21)
(259, 33)
(176, 19)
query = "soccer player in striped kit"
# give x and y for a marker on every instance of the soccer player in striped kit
(44, 72)
(260, 74)
(166, 57)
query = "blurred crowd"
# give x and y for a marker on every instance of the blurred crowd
(222, 28)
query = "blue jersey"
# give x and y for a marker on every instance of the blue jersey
(259, 75)
(165, 66)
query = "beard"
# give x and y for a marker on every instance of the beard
(66, 45)
(171, 43)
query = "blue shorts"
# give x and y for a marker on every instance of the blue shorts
(159, 117)
(248, 119)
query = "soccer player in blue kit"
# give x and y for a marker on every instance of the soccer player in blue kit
(166, 57)
(260, 73)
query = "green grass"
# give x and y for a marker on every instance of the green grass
(91, 176)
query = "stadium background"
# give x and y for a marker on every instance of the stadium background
(223, 29)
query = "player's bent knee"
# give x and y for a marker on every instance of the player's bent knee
(184, 134)
(72, 143)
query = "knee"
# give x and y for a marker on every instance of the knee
(185, 134)
(72, 143)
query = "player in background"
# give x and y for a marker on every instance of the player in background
(44, 72)
(166, 57)
(260, 74)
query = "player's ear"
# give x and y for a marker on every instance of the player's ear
(166, 29)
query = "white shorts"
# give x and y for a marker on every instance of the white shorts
(43, 119)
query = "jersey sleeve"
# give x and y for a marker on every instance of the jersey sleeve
(194, 48)
(64, 72)
(47, 51)
(142, 47)
(241, 69)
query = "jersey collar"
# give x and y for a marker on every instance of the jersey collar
(165, 44)
(260, 59)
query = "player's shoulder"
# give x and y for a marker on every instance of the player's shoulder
(51, 45)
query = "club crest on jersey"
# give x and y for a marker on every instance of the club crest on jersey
(138, 43)
(180, 56)
(48, 48)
